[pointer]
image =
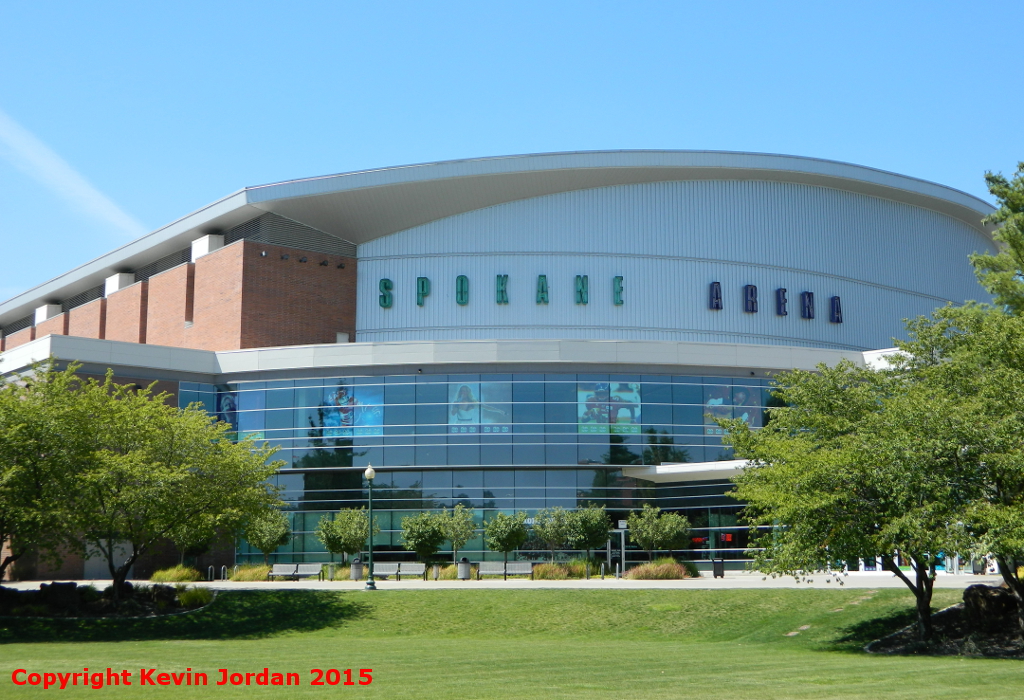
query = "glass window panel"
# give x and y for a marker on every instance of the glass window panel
(528, 391)
(528, 454)
(431, 455)
(432, 393)
(499, 478)
(468, 478)
(560, 498)
(400, 393)
(407, 478)
(562, 391)
(432, 414)
(687, 394)
(309, 396)
(560, 454)
(562, 412)
(404, 456)
(688, 415)
(463, 455)
(529, 478)
(365, 456)
(400, 415)
(436, 479)
(656, 393)
(279, 420)
(250, 421)
(525, 502)
(588, 453)
(495, 454)
(187, 397)
(560, 478)
(528, 412)
(281, 398)
(657, 413)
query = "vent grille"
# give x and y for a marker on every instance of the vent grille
(19, 325)
(163, 264)
(82, 298)
(277, 230)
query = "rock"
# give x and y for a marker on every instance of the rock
(988, 608)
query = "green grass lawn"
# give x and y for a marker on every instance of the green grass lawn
(522, 643)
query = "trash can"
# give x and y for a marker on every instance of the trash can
(978, 566)
(718, 568)
(356, 571)
(463, 571)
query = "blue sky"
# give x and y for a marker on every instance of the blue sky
(117, 118)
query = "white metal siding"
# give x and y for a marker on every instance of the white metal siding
(669, 240)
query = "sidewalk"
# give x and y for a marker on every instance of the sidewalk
(856, 580)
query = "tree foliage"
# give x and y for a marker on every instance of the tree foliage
(1002, 274)
(587, 528)
(551, 526)
(505, 533)
(458, 527)
(424, 534)
(268, 530)
(652, 529)
(347, 532)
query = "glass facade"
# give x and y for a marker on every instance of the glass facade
(491, 442)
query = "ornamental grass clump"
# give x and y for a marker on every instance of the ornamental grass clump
(176, 574)
(658, 570)
(251, 572)
(194, 597)
(551, 572)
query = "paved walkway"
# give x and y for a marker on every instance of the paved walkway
(732, 580)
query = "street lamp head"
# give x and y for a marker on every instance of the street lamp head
(369, 473)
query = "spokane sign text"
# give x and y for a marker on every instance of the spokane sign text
(581, 295)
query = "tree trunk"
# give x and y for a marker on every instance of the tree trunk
(1008, 570)
(921, 587)
(8, 560)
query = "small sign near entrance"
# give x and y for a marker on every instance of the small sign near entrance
(622, 524)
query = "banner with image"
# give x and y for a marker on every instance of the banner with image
(480, 407)
(350, 411)
(603, 407)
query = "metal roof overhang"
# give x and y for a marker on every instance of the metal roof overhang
(362, 206)
(671, 472)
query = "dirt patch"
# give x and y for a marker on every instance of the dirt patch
(955, 635)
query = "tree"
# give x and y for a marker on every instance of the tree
(859, 463)
(423, 533)
(1002, 274)
(347, 532)
(458, 527)
(551, 526)
(652, 529)
(588, 528)
(193, 538)
(41, 448)
(267, 531)
(975, 355)
(505, 533)
(153, 468)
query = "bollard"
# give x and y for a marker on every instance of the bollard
(586, 569)
(209, 573)
(617, 574)
(437, 571)
(330, 571)
(602, 571)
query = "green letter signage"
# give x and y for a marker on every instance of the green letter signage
(386, 299)
(422, 290)
(461, 290)
(501, 289)
(582, 293)
(617, 290)
(542, 289)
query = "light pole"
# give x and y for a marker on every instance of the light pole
(369, 474)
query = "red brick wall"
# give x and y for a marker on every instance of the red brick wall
(290, 302)
(126, 314)
(217, 306)
(20, 338)
(170, 306)
(58, 325)
(88, 320)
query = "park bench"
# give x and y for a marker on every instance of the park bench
(490, 568)
(384, 569)
(296, 571)
(412, 568)
(519, 568)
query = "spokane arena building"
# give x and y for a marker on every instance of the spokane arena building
(511, 333)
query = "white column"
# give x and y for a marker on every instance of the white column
(117, 282)
(47, 311)
(207, 244)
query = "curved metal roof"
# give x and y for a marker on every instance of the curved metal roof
(364, 205)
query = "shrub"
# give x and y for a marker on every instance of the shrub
(661, 569)
(551, 572)
(176, 574)
(576, 568)
(251, 572)
(195, 597)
